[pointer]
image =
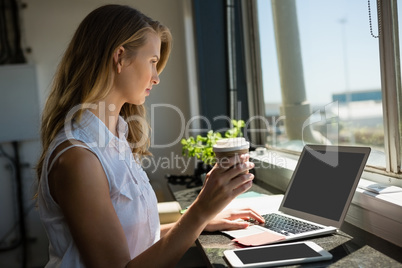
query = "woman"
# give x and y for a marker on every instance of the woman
(95, 200)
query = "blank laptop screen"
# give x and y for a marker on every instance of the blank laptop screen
(325, 185)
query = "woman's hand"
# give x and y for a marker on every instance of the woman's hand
(232, 219)
(222, 184)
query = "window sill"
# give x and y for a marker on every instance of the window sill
(379, 214)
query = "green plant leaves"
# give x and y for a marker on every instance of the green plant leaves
(202, 147)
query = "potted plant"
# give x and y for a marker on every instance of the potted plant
(200, 147)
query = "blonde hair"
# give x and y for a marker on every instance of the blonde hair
(85, 73)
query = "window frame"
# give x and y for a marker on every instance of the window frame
(390, 83)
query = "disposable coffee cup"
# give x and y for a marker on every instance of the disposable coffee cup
(224, 149)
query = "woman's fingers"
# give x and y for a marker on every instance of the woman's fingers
(232, 219)
(225, 224)
(251, 214)
(246, 213)
(225, 183)
(241, 168)
(241, 183)
(230, 177)
(229, 163)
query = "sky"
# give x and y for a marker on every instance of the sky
(328, 47)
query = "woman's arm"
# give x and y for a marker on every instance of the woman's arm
(222, 185)
(166, 227)
(80, 187)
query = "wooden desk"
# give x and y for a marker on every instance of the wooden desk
(350, 247)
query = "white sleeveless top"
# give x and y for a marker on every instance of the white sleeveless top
(130, 191)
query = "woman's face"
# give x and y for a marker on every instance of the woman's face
(138, 74)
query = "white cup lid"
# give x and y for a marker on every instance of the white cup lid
(231, 144)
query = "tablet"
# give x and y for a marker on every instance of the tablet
(279, 254)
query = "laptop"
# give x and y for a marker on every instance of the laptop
(319, 194)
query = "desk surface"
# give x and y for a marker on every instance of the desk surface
(350, 247)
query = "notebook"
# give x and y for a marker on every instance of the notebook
(319, 193)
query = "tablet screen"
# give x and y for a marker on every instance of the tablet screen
(285, 252)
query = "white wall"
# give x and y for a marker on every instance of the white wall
(47, 27)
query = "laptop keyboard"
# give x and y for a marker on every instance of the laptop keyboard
(287, 226)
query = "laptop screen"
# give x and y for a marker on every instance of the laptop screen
(323, 182)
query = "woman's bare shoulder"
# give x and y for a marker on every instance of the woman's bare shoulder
(77, 149)
(76, 168)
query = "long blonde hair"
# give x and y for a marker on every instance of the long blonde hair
(85, 73)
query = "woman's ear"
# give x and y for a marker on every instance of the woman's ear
(118, 58)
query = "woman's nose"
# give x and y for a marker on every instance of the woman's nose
(155, 78)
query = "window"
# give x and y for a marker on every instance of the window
(326, 75)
